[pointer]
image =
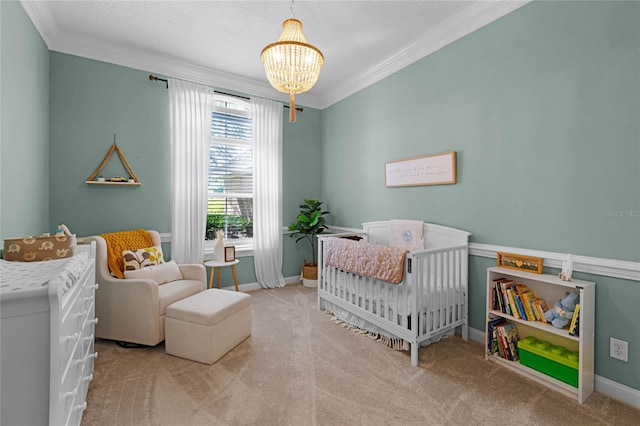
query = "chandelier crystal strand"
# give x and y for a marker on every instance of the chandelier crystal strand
(292, 65)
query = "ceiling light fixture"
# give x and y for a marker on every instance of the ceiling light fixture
(292, 65)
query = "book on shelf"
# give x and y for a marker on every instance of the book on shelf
(504, 286)
(517, 300)
(520, 290)
(492, 344)
(497, 302)
(576, 331)
(575, 322)
(512, 338)
(523, 314)
(534, 309)
(527, 298)
(500, 304)
(506, 353)
(541, 306)
(499, 344)
(508, 341)
(512, 303)
(492, 296)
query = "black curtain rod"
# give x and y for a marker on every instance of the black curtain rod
(156, 78)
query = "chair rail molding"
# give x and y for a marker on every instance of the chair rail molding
(589, 265)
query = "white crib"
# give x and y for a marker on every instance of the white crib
(430, 302)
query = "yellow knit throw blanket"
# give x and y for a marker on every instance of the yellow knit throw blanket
(117, 242)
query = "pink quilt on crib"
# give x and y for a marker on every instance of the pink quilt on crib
(371, 260)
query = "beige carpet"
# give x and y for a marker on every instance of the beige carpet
(301, 368)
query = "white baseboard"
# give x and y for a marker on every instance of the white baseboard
(476, 335)
(603, 385)
(256, 286)
(617, 391)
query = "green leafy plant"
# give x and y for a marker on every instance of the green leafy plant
(234, 226)
(309, 223)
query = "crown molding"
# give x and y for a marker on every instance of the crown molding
(42, 19)
(167, 66)
(171, 67)
(467, 21)
(458, 26)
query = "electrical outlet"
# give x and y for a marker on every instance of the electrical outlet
(618, 349)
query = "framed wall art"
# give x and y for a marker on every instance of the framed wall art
(437, 169)
(519, 262)
(229, 254)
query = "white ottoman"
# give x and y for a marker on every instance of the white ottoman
(207, 325)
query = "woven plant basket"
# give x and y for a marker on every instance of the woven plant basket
(310, 271)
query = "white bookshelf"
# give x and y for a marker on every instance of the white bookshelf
(551, 289)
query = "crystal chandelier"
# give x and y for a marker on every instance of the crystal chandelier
(292, 65)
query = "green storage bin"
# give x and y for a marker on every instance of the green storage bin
(554, 361)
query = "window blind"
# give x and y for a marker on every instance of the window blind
(230, 185)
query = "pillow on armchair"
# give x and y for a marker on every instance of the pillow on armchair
(136, 259)
(163, 273)
(117, 242)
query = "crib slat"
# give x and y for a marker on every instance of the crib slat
(375, 297)
(442, 308)
(457, 287)
(433, 294)
(448, 298)
(393, 305)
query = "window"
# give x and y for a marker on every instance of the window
(230, 204)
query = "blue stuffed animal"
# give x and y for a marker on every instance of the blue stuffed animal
(562, 311)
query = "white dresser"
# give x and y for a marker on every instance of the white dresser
(47, 323)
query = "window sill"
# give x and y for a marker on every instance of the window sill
(241, 251)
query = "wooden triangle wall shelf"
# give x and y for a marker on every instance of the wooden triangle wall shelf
(133, 179)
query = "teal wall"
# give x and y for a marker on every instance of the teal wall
(24, 126)
(542, 108)
(302, 165)
(92, 100)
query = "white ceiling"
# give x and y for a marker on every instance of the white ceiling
(219, 42)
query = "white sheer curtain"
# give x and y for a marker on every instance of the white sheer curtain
(266, 119)
(190, 109)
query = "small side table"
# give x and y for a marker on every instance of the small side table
(214, 264)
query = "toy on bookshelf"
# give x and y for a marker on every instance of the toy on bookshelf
(567, 269)
(562, 312)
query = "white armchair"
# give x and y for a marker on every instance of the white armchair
(133, 310)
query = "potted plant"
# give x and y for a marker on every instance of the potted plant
(309, 223)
